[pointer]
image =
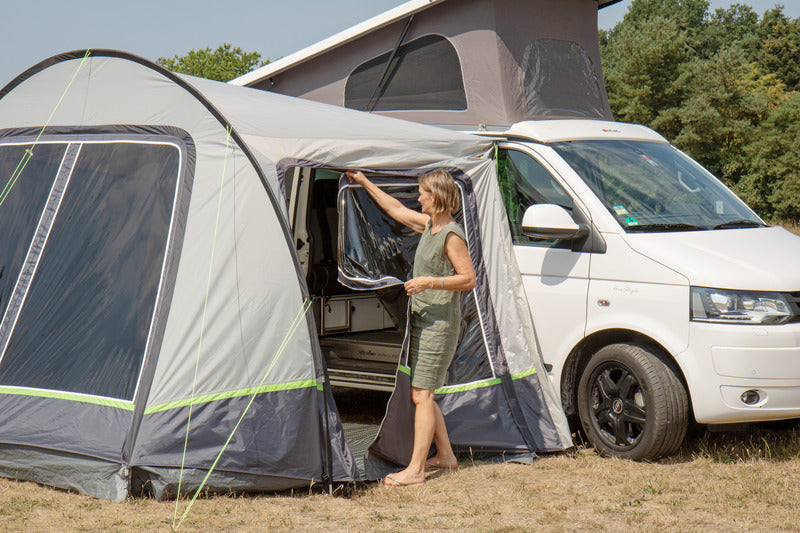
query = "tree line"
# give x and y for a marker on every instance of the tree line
(722, 85)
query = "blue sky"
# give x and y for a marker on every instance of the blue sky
(32, 30)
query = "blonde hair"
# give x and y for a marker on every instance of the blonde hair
(443, 189)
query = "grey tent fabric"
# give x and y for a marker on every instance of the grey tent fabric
(476, 63)
(121, 176)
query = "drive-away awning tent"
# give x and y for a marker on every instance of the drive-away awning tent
(149, 283)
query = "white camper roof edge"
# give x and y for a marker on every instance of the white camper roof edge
(549, 131)
(343, 37)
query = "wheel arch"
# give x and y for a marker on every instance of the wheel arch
(579, 356)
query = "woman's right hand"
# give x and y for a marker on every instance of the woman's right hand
(356, 176)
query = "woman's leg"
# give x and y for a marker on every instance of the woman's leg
(424, 427)
(444, 458)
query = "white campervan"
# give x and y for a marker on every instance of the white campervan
(652, 286)
(657, 295)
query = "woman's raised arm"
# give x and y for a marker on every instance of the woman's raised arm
(392, 206)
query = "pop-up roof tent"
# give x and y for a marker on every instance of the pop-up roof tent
(475, 63)
(150, 290)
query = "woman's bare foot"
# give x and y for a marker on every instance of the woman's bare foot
(450, 463)
(403, 478)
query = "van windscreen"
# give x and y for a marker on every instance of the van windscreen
(651, 186)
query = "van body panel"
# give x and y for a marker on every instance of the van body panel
(628, 290)
(556, 283)
(760, 259)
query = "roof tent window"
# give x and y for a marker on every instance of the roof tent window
(26, 183)
(424, 74)
(559, 80)
(84, 325)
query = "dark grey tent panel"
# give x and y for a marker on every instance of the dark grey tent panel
(466, 62)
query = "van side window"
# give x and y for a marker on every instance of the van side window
(524, 182)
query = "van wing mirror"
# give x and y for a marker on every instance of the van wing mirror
(550, 221)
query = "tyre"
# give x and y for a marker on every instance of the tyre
(631, 403)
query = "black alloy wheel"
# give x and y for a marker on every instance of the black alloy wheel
(631, 402)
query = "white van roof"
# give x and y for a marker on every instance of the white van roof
(548, 131)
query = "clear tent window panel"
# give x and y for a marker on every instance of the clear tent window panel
(26, 174)
(86, 318)
(424, 74)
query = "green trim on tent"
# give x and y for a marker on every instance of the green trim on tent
(468, 386)
(482, 383)
(70, 396)
(524, 374)
(232, 394)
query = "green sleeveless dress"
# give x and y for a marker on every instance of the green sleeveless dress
(435, 313)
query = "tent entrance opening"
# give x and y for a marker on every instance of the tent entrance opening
(360, 335)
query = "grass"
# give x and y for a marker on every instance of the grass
(716, 482)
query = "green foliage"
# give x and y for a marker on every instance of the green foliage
(773, 182)
(223, 64)
(722, 86)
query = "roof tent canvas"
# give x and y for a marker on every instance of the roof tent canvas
(456, 62)
(149, 283)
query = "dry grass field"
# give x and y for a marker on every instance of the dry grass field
(718, 482)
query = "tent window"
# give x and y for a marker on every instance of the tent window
(22, 201)
(559, 80)
(424, 74)
(87, 313)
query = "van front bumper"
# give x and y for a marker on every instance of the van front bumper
(741, 373)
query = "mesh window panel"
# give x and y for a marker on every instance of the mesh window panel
(424, 74)
(559, 80)
(86, 318)
(22, 206)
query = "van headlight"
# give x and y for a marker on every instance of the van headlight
(739, 307)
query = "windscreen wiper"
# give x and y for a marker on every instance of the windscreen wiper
(672, 226)
(744, 223)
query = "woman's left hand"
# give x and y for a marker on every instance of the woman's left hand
(417, 285)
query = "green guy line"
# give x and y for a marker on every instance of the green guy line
(23, 162)
(203, 320)
(298, 319)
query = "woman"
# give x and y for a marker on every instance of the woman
(442, 268)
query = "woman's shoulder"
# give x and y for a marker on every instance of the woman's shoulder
(455, 227)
